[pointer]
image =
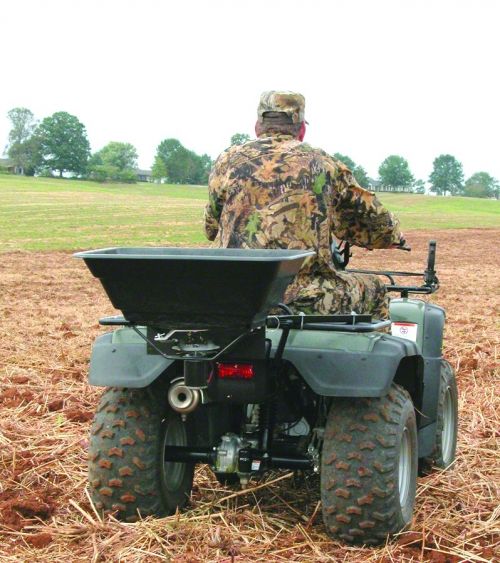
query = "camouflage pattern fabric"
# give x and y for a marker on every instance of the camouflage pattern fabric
(277, 192)
(290, 103)
(339, 293)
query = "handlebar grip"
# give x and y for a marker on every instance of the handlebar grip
(432, 256)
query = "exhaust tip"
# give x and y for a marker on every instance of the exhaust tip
(183, 399)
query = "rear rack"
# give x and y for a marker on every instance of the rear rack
(116, 320)
(206, 351)
(333, 323)
(329, 323)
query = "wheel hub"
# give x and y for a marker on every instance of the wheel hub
(448, 427)
(404, 474)
(173, 472)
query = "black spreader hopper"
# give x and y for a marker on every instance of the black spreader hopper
(194, 287)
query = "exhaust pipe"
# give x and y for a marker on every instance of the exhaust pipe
(183, 399)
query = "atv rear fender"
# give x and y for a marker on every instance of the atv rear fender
(340, 364)
(430, 321)
(119, 359)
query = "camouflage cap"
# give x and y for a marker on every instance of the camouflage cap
(291, 103)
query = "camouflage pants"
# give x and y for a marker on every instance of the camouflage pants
(340, 293)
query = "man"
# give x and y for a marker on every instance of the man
(278, 192)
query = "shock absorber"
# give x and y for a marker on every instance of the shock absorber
(252, 420)
(269, 420)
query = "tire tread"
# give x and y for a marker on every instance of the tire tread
(359, 479)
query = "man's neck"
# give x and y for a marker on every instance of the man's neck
(275, 135)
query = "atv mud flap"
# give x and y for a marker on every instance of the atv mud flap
(119, 359)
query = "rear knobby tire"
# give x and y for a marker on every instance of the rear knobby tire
(369, 467)
(446, 422)
(127, 472)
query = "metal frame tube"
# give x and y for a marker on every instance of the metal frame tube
(186, 454)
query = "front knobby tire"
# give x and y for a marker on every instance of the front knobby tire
(127, 473)
(369, 467)
(446, 422)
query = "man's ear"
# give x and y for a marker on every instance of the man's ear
(302, 131)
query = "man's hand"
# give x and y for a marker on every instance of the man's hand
(401, 245)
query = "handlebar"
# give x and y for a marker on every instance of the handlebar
(342, 252)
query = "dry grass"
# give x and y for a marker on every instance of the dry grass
(49, 310)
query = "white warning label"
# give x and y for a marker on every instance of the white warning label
(405, 330)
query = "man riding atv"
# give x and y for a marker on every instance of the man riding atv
(200, 371)
(278, 192)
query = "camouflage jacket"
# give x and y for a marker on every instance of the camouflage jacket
(277, 192)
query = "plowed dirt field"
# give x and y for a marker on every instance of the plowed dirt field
(49, 308)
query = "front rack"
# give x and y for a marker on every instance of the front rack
(431, 282)
(405, 290)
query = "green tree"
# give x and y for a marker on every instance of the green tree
(205, 165)
(395, 173)
(23, 146)
(419, 187)
(345, 160)
(63, 143)
(26, 155)
(239, 138)
(116, 161)
(481, 184)
(358, 171)
(122, 155)
(361, 176)
(159, 171)
(183, 165)
(23, 125)
(171, 152)
(447, 175)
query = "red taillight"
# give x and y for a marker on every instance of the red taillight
(235, 371)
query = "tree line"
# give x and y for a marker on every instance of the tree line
(58, 144)
(446, 178)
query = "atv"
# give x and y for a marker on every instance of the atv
(207, 366)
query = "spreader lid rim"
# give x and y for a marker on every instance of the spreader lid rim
(175, 253)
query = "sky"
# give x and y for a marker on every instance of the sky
(417, 78)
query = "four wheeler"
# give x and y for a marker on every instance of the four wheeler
(197, 370)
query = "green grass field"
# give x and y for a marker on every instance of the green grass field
(52, 214)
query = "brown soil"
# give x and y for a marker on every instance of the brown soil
(49, 307)
(21, 509)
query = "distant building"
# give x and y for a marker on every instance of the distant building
(373, 185)
(143, 175)
(9, 166)
(377, 186)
